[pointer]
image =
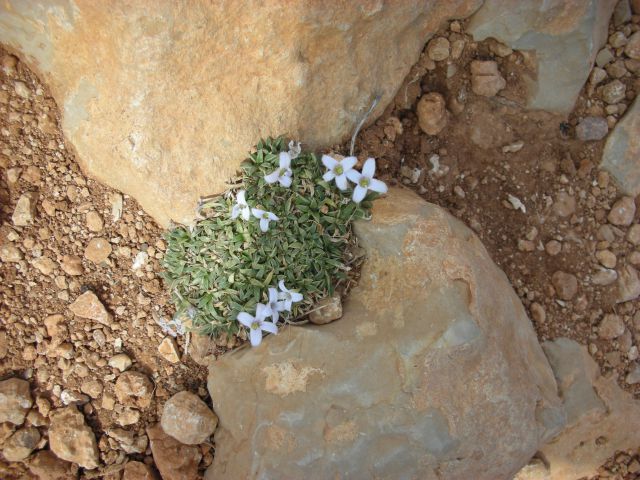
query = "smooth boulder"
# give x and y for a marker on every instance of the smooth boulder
(166, 106)
(434, 371)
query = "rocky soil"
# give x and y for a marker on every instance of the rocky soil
(81, 299)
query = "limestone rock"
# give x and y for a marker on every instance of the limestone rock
(72, 265)
(88, 305)
(628, 284)
(438, 49)
(174, 460)
(633, 46)
(596, 408)
(15, 400)
(565, 37)
(622, 212)
(44, 265)
(168, 349)
(327, 310)
(565, 284)
(20, 445)
(188, 419)
(98, 250)
(592, 128)
(121, 361)
(138, 471)
(621, 155)
(201, 348)
(25, 210)
(439, 377)
(432, 113)
(485, 78)
(134, 389)
(46, 466)
(94, 221)
(611, 327)
(224, 57)
(10, 254)
(71, 440)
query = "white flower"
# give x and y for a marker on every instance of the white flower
(338, 169)
(364, 181)
(241, 207)
(294, 149)
(288, 296)
(275, 304)
(283, 173)
(265, 218)
(257, 324)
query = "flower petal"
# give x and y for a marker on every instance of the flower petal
(280, 306)
(245, 319)
(369, 168)
(329, 162)
(272, 177)
(273, 216)
(354, 176)
(269, 327)
(264, 224)
(359, 193)
(235, 212)
(262, 311)
(257, 212)
(348, 163)
(275, 315)
(246, 213)
(255, 335)
(296, 297)
(285, 181)
(287, 305)
(282, 287)
(328, 176)
(240, 197)
(285, 160)
(273, 295)
(341, 182)
(378, 186)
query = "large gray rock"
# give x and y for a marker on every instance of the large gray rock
(602, 419)
(621, 155)
(434, 371)
(564, 35)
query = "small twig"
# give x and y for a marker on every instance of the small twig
(361, 123)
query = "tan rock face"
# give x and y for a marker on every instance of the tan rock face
(596, 408)
(46, 466)
(71, 440)
(174, 460)
(88, 305)
(166, 106)
(15, 400)
(434, 370)
(188, 419)
(134, 389)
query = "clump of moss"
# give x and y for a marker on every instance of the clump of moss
(222, 266)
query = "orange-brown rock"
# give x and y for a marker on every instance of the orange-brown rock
(166, 105)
